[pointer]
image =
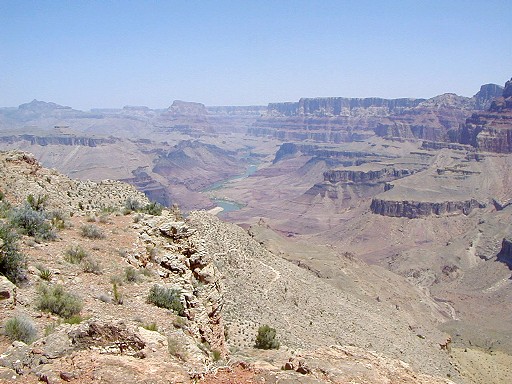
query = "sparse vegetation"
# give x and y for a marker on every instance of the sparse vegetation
(89, 265)
(132, 205)
(266, 338)
(20, 329)
(91, 231)
(131, 275)
(58, 220)
(12, 262)
(45, 274)
(32, 222)
(166, 298)
(37, 203)
(154, 209)
(176, 349)
(56, 300)
(151, 327)
(75, 254)
(75, 319)
(104, 219)
(118, 297)
(179, 322)
(216, 355)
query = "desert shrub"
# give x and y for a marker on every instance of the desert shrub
(90, 218)
(37, 203)
(118, 297)
(91, 231)
(89, 265)
(151, 327)
(216, 355)
(75, 254)
(32, 222)
(166, 298)
(56, 300)
(20, 329)
(131, 205)
(180, 322)
(75, 319)
(154, 209)
(266, 338)
(12, 262)
(45, 274)
(104, 219)
(58, 219)
(5, 207)
(131, 275)
(176, 349)
(116, 279)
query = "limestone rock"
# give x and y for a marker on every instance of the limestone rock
(7, 290)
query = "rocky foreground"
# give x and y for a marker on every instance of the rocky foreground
(228, 284)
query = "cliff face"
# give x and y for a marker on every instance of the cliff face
(491, 131)
(58, 140)
(416, 209)
(340, 119)
(339, 106)
(360, 176)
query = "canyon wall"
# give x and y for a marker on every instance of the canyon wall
(341, 119)
(491, 131)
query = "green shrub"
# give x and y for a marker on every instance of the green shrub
(154, 209)
(75, 319)
(37, 203)
(75, 254)
(20, 329)
(166, 298)
(45, 274)
(12, 262)
(32, 222)
(118, 296)
(266, 338)
(56, 300)
(216, 355)
(91, 231)
(58, 220)
(151, 327)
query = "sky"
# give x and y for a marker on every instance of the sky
(108, 54)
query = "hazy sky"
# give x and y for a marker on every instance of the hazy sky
(88, 54)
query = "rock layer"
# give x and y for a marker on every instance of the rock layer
(491, 131)
(416, 209)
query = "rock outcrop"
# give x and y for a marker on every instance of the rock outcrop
(24, 175)
(505, 254)
(416, 209)
(491, 131)
(361, 176)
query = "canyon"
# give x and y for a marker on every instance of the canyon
(394, 205)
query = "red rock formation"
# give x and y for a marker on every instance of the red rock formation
(491, 131)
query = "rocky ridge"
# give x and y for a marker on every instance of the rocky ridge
(22, 174)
